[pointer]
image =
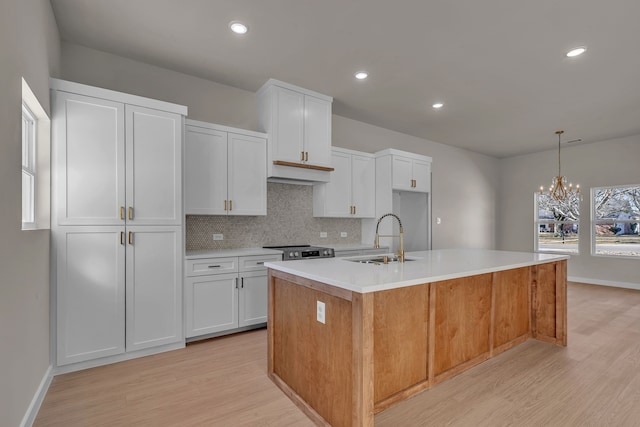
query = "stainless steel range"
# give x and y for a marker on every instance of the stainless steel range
(297, 252)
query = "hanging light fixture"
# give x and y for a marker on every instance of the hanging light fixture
(558, 189)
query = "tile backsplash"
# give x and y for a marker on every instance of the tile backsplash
(289, 220)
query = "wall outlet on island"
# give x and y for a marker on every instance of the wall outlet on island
(343, 234)
(323, 234)
(320, 311)
(218, 236)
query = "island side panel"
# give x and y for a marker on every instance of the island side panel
(462, 324)
(511, 324)
(362, 357)
(312, 359)
(561, 302)
(401, 330)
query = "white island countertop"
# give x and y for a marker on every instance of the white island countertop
(424, 267)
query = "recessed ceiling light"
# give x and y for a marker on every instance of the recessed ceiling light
(438, 105)
(361, 75)
(576, 52)
(238, 27)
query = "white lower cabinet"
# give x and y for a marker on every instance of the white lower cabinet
(103, 269)
(90, 293)
(154, 286)
(223, 294)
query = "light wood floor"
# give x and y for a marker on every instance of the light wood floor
(595, 381)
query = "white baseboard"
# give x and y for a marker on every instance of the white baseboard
(38, 398)
(626, 285)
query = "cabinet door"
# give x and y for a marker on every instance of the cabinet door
(402, 173)
(90, 293)
(205, 171)
(154, 166)
(363, 188)
(154, 286)
(288, 129)
(253, 298)
(317, 131)
(422, 176)
(88, 153)
(212, 303)
(247, 185)
(337, 197)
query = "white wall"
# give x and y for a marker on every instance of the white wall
(612, 162)
(29, 48)
(464, 183)
(207, 100)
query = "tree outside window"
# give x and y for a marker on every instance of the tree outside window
(557, 224)
(616, 215)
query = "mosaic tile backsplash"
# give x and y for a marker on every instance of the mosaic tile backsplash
(289, 220)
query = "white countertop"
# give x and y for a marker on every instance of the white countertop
(221, 253)
(426, 267)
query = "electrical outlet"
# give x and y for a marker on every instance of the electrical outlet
(320, 311)
(343, 234)
(323, 234)
(217, 236)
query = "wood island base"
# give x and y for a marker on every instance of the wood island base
(376, 349)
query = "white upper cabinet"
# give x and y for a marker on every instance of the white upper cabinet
(351, 191)
(118, 163)
(225, 170)
(298, 122)
(154, 172)
(411, 172)
(90, 155)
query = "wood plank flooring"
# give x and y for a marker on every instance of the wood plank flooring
(595, 381)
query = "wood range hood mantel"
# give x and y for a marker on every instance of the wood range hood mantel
(381, 347)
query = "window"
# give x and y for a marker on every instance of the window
(557, 224)
(36, 153)
(28, 168)
(616, 214)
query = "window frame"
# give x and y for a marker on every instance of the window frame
(595, 222)
(29, 168)
(537, 222)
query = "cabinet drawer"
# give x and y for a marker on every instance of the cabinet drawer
(256, 263)
(206, 266)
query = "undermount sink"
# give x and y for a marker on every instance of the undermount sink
(378, 259)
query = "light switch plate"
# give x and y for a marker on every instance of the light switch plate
(323, 234)
(320, 312)
(343, 234)
(218, 236)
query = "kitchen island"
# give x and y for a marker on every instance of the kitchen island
(393, 330)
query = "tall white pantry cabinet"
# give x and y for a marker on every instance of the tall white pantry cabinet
(117, 232)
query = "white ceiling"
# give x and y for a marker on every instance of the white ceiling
(498, 65)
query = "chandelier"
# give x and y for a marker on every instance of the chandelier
(558, 189)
